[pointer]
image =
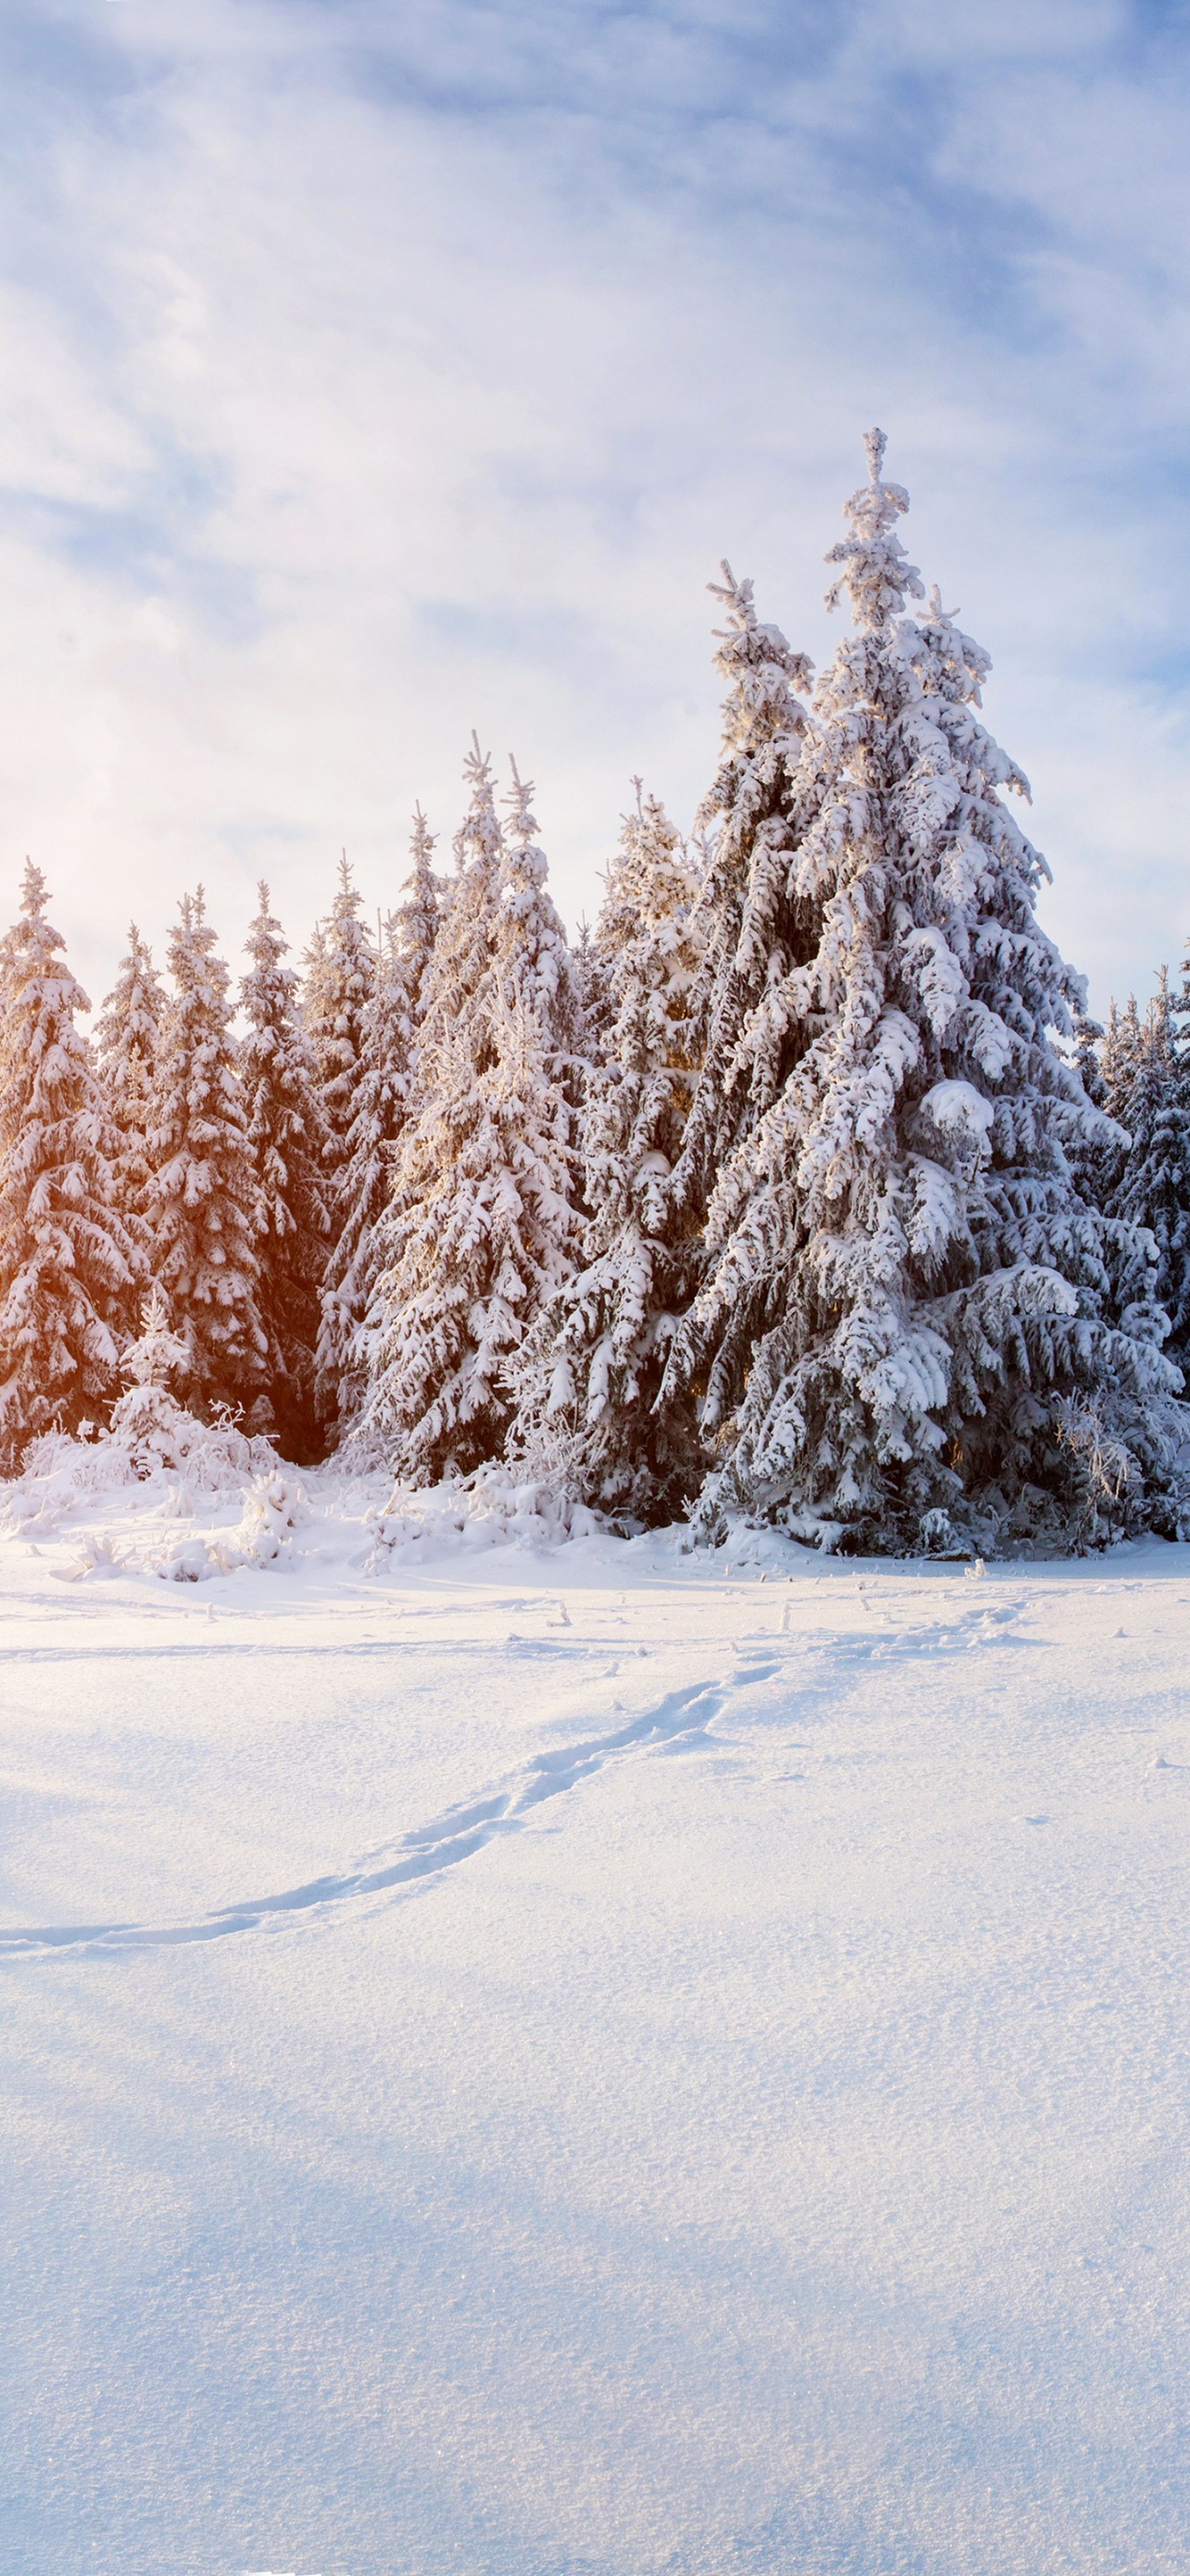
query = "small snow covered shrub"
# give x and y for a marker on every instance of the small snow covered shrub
(155, 1433)
(273, 1509)
(152, 1442)
(487, 1509)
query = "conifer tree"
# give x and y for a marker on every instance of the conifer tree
(905, 1292)
(202, 1199)
(1153, 1186)
(126, 1050)
(147, 1419)
(1095, 1157)
(418, 918)
(340, 973)
(531, 959)
(477, 1240)
(479, 1231)
(467, 932)
(69, 1265)
(1088, 1043)
(753, 925)
(286, 1142)
(381, 1100)
(593, 989)
(1122, 1049)
(588, 1384)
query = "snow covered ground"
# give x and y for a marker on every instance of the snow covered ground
(590, 2061)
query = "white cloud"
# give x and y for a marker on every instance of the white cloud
(370, 375)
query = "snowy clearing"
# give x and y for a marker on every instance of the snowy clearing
(589, 2060)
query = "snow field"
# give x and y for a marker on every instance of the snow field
(720, 2103)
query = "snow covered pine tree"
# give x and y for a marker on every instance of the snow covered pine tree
(532, 962)
(69, 1265)
(126, 1052)
(340, 970)
(592, 1367)
(286, 1140)
(1152, 1190)
(747, 922)
(383, 1078)
(479, 1231)
(905, 1292)
(466, 939)
(201, 1199)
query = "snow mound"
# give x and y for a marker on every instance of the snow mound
(488, 1509)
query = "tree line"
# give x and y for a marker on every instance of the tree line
(802, 1187)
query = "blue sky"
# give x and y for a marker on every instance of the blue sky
(372, 372)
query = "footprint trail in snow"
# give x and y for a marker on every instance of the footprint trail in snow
(679, 1722)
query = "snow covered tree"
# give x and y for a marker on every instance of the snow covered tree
(466, 939)
(69, 1265)
(381, 1099)
(286, 1141)
(479, 1231)
(202, 1196)
(905, 1292)
(476, 1240)
(531, 960)
(596, 1006)
(1152, 1102)
(416, 922)
(753, 922)
(340, 973)
(1122, 1050)
(1096, 1158)
(1088, 1042)
(126, 1050)
(146, 1417)
(588, 1383)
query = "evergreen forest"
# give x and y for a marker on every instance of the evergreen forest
(801, 1189)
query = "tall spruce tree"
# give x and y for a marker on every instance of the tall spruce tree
(531, 959)
(202, 1198)
(1152, 1190)
(418, 917)
(1122, 1049)
(1095, 1158)
(69, 1265)
(126, 1052)
(596, 1005)
(286, 1143)
(905, 1292)
(588, 1384)
(479, 1231)
(477, 1241)
(381, 1101)
(340, 974)
(753, 925)
(468, 926)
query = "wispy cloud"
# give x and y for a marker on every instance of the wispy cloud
(371, 372)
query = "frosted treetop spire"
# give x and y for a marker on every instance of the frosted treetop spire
(877, 576)
(519, 801)
(35, 893)
(761, 670)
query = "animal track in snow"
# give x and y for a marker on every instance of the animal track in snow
(679, 1722)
